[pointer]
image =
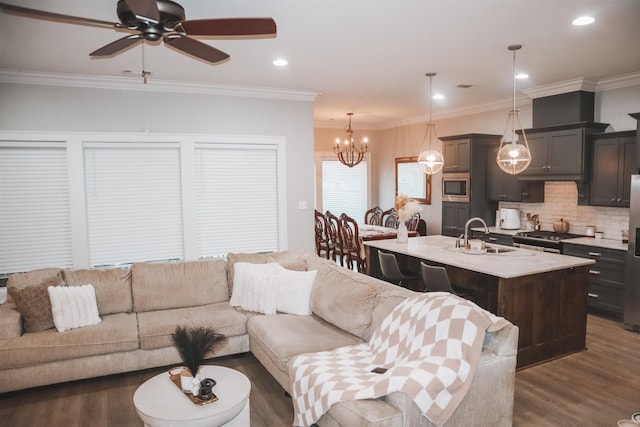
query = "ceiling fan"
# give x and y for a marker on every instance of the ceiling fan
(152, 20)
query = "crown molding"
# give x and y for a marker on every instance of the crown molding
(626, 80)
(561, 87)
(153, 85)
(469, 110)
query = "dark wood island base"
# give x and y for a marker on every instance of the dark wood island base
(549, 308)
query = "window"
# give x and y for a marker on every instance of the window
(236, 190)
(87, 200)
(133, 202)
(35, 218)
(344, 189)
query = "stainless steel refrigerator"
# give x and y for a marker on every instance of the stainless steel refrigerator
(632, 280)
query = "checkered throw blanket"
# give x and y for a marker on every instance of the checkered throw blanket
(429, 345)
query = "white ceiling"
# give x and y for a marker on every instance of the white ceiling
(365, 56)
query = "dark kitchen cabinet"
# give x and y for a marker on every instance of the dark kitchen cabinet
(559, 152)
(454, 217)
(468, 153)
(613, 163)
(606, 278)
(502, 186)
(497, 238)
(457, 155)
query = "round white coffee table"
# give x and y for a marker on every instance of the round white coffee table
(159, 403)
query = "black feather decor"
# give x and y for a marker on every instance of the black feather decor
(195, 343)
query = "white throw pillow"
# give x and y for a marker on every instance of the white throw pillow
(73, 306)
(255, 287)
(294, 291)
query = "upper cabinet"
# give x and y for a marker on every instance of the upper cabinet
(613, 160)
(457, 155)
(502, 187)
(559, 152)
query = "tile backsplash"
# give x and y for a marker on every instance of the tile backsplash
(561, 201)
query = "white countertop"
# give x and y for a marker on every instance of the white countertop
(518, 263)
(599, 243)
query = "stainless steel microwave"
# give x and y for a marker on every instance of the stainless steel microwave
(455, 187)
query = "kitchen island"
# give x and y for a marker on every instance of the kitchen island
(544, 294)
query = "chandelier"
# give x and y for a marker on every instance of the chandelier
(430, 160)
(346, 150)
(513, 157)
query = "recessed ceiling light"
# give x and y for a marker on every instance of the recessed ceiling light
(522, 76)
(583, 20)
(280, 62)
(438, 96)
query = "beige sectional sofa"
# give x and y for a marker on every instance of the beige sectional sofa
(140, 307)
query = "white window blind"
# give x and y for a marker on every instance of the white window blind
(133, 201)
(344, 189)
(35, 219)
(236, 198)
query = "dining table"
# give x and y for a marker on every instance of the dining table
(368, 232)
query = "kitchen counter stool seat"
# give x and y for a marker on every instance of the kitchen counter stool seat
(436, 279)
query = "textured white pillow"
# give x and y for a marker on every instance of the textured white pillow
(73, 306)
(294, 291)
(255, 287)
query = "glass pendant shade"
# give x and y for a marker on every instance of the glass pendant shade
(431, 161)
(513, 156)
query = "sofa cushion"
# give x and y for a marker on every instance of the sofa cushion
(162, 286)
(344, 298)
(282, 336)
(32, 302)
(116, 333)
(156, 327)
(73, 306)
(20, 280)
(112, 286)
(291, 260)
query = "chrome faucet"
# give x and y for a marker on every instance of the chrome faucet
(466, 228)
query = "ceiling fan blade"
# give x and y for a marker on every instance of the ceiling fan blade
(41, 14)
(230, 27)
(144, 9)
(195, 48)
(117, 46)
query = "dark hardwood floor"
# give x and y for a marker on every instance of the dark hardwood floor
(596, 387)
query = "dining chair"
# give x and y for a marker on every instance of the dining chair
(323, 242)
(334, 230)
(352, 244)
(391, 270)
(373, 216)
(436, 279)
(390, 219)
(422, 227)
(412, 224)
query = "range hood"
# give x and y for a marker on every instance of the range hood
(563, 109)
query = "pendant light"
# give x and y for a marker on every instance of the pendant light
(430, 160)
(514, 156)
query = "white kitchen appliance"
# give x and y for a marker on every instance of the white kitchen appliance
(509, 219)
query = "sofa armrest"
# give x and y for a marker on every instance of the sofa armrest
(10, 321)
(503, 342)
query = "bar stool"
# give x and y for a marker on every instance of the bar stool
(391, 270)
(436, 279)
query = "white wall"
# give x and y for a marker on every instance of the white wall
(25, 107)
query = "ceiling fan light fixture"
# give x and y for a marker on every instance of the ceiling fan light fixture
(430, 159)
(513, 156)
